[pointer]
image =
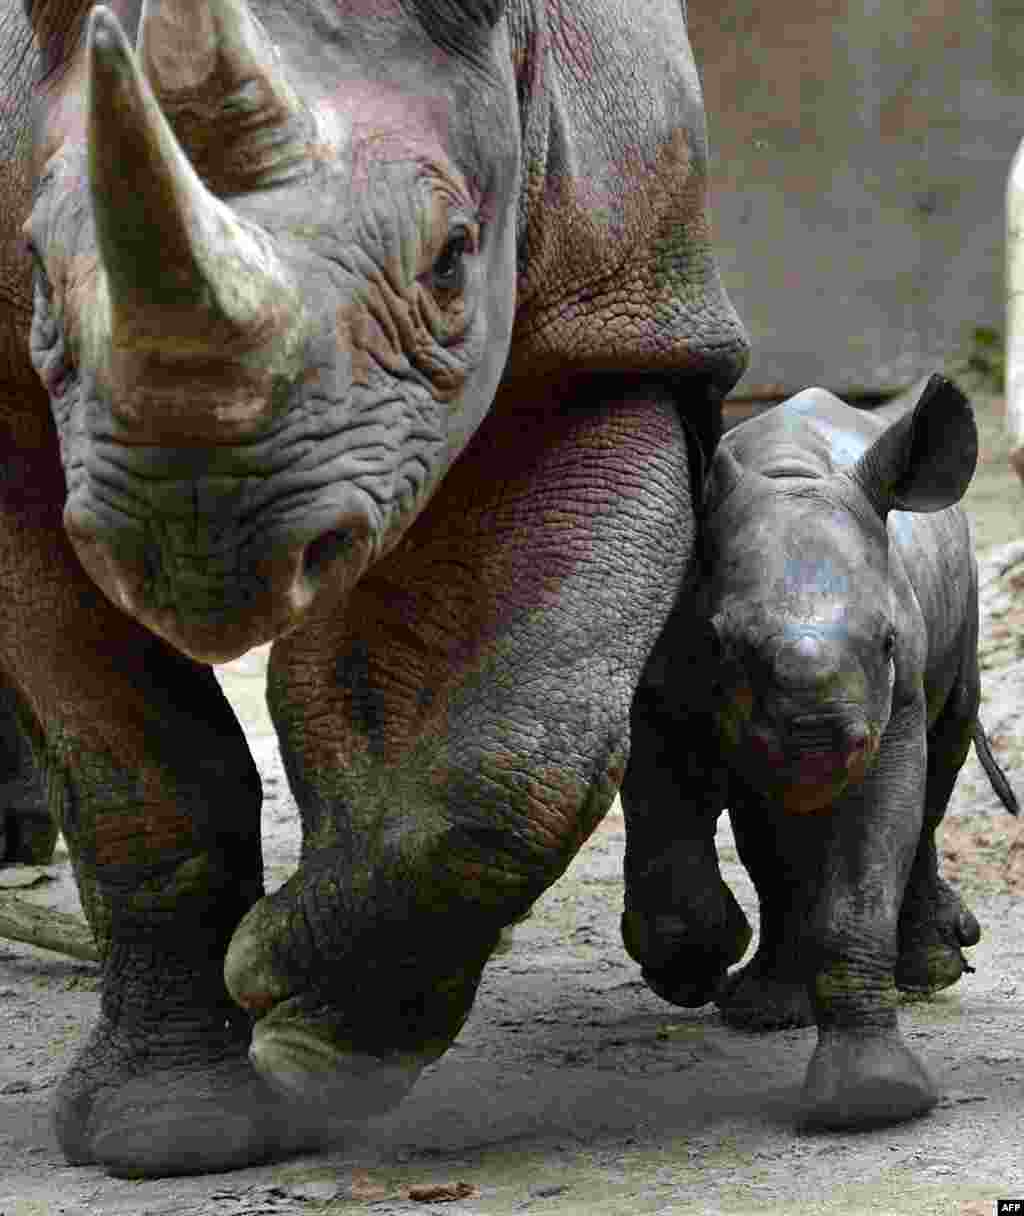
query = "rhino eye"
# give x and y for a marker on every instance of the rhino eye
(449, 271)
(889, 645)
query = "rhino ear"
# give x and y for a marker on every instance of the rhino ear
(926, 459)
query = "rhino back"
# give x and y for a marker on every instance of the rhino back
(615, 264)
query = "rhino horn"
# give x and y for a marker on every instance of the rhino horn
(220, 84)
(181, 273)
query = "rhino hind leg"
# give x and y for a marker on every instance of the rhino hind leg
(681, 921)
(28, 832)
(935, 923)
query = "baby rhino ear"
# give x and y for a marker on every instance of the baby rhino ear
(926, 459)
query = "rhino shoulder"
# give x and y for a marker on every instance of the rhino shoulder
(616, 269)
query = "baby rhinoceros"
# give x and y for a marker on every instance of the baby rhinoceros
(835, 685)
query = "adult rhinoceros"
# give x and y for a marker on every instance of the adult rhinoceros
(387, 330)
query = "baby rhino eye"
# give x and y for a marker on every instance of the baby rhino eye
(889, 643)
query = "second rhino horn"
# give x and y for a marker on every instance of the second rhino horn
(222, 88)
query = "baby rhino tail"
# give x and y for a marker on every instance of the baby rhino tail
(992, 770)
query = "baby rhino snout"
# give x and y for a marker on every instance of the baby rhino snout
(820, 704)
(805, 748)
(840, 741)
(799, 727)
(803, 764)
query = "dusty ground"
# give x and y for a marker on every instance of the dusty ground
(573, 1088)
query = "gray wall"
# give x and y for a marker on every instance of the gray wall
(859, 161)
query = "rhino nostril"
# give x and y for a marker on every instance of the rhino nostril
(325, 550)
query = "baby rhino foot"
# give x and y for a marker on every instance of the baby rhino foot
(685, 957)
(864, 1079)
(197, 1118)
(755, 999)
(932, 933)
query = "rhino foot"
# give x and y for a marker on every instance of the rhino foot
(859, 1080)
(204, 1118)
(755, 999)
(931, 936)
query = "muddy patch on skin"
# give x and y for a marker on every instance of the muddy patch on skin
(573, 1089)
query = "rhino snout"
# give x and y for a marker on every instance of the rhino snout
(217, 590)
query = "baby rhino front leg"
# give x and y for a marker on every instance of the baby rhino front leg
(783, 856)
(862, 1072)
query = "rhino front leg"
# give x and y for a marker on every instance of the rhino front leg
(159, 800)
(454, 736)
(862, 1072)
(680, 922)
(28, 832)
(149, 777)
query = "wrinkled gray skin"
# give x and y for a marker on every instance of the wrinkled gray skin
(825, 680)
(389, 331)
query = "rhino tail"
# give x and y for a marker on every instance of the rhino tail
(995, 774)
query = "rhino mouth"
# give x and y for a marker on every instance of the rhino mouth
(204, 564)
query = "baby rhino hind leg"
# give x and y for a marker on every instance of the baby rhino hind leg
(935, 923)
